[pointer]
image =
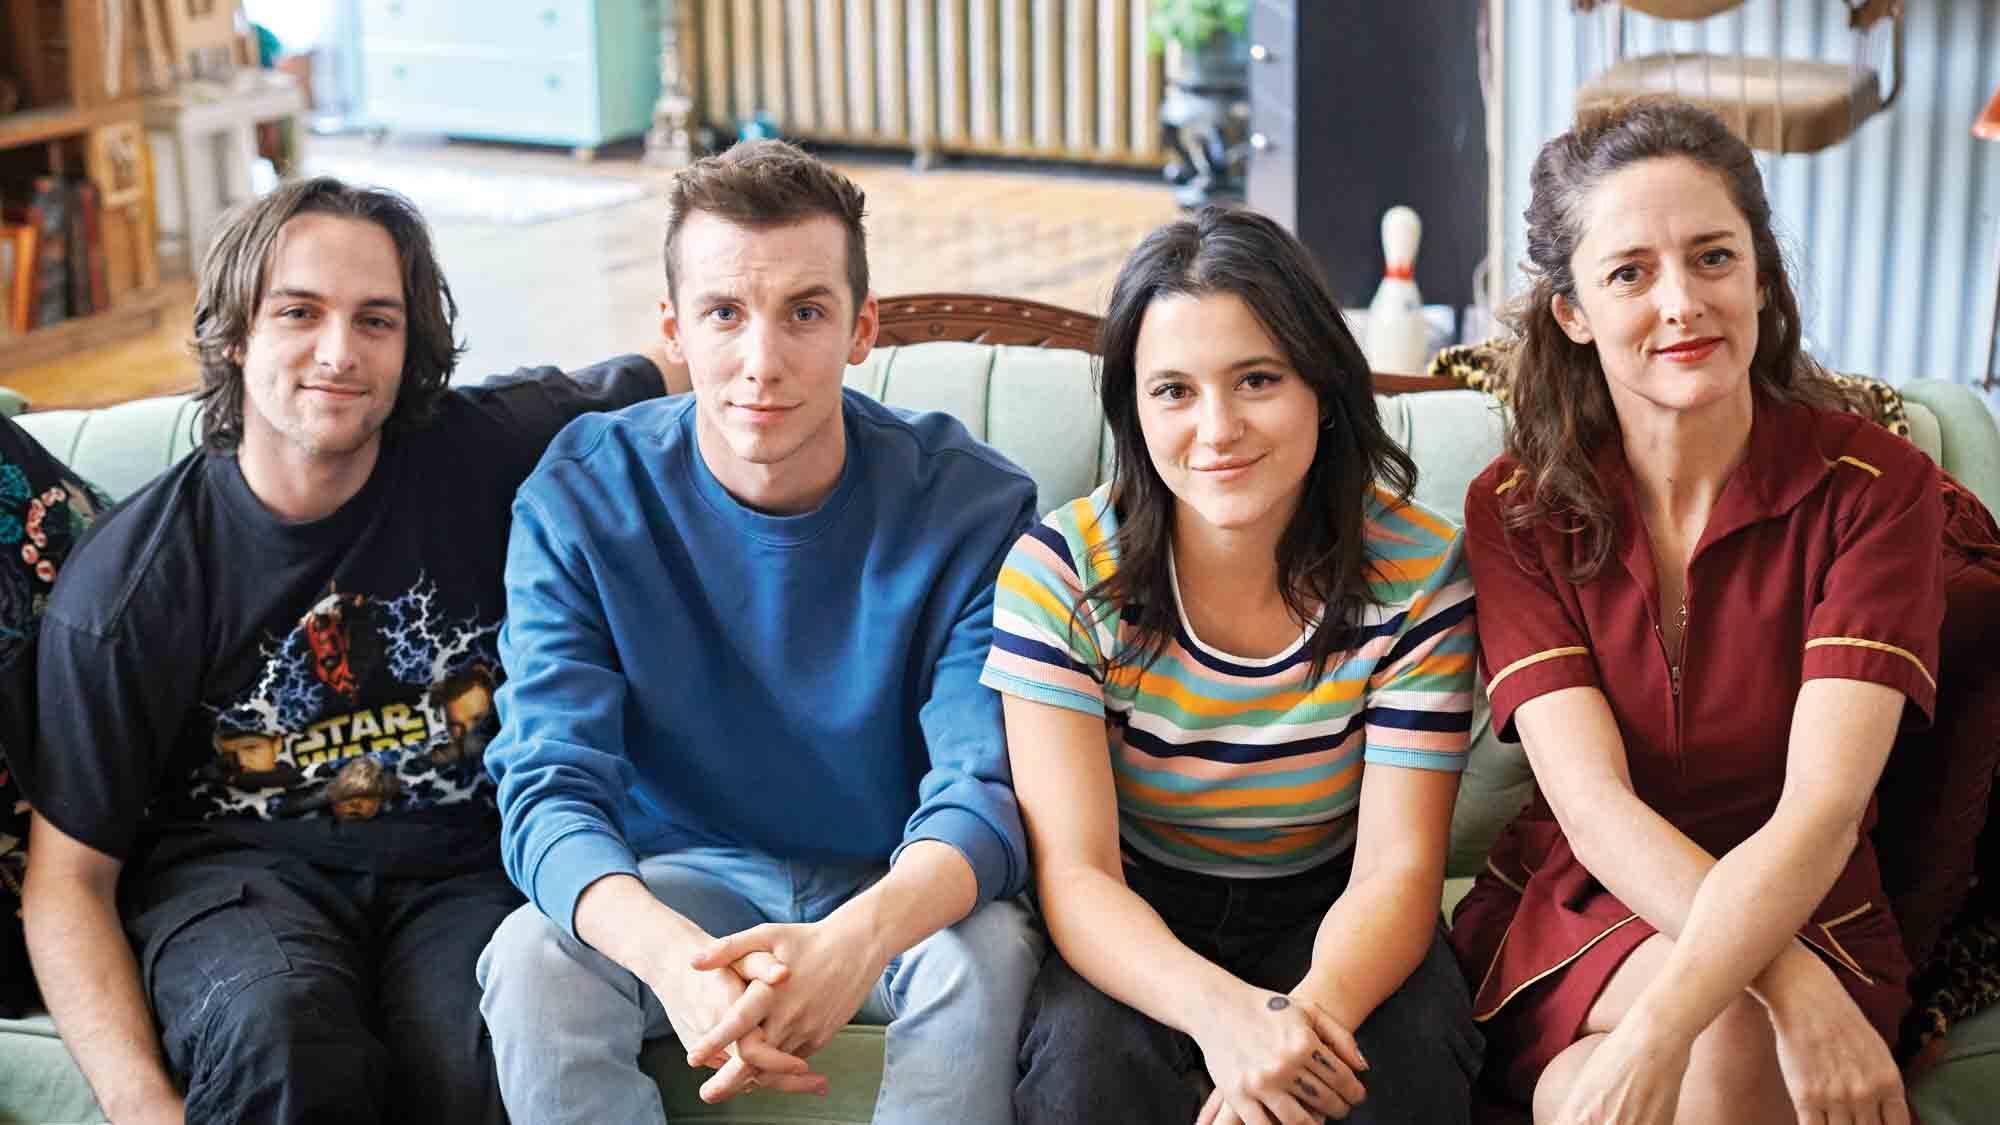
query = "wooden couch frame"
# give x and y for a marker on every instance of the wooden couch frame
(978, 319)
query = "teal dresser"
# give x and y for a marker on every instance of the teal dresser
(563, 72)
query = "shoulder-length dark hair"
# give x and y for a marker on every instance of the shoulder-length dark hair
(1322, 561)
(237, 266)
(1562, 413)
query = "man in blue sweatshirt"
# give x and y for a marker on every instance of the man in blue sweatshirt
(748, 777)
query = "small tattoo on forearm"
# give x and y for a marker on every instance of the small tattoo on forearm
(1278, 1004)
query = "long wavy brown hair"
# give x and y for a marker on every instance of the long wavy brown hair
(1562, 413)
(1323, 563)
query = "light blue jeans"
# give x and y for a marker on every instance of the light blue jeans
(568, 1022)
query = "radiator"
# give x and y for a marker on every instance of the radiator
(1070, 80)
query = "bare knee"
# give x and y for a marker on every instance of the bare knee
(1552, 1088)
(1733, 1070)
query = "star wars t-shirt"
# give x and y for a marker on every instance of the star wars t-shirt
(325, 688)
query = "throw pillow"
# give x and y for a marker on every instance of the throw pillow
(1934, 795)
(1960, 980)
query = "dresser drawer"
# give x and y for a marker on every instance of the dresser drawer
(1274, 63)
(1271, 174)
(553, 100)
(544, 27)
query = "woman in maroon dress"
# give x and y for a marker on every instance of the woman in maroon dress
(1707, 600)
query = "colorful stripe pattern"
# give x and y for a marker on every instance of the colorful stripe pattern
(1237, 767)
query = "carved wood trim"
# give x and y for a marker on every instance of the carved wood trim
(975, 318)
(971, 317)
(1387, 384)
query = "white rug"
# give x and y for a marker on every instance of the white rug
(480, 195)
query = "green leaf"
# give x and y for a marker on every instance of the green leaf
(1192, 23)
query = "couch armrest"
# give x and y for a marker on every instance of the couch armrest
(1967, 432)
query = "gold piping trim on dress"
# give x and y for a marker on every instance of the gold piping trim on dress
(1493, 684)
(1495, 963)
(1513, 479)
(1857, 463)
(1509, 883)
(1839, 955)
(1839, 952)
(1852, 642)
(1482, 1017)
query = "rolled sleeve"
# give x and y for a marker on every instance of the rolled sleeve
(1881, 603)
(984, 847)
(1419, 707)
(1529, 642)
(569, 865)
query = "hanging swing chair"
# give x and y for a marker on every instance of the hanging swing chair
(1776, 104)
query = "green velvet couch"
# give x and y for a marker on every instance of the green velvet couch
(1035, 404)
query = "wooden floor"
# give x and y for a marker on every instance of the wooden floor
(573, 290)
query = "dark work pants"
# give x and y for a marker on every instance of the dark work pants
(289, 992)
(1088, 1058)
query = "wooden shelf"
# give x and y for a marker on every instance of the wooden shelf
(88, 137)
(137, 315)
(34, 126)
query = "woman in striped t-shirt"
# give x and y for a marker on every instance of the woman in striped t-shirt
(1238, 685)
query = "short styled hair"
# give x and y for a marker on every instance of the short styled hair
(768, 183)
(237, 266)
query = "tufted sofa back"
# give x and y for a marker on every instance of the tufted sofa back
(1038, 405)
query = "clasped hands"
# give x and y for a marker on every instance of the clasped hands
(1278, 1059)
(756, 1004)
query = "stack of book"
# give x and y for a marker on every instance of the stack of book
(52, 261)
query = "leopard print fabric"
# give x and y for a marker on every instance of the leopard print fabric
(1959, 979)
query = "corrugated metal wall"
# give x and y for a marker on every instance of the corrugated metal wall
(1892, 233)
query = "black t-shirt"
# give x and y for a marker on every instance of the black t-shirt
(44, 508)
(324, 688)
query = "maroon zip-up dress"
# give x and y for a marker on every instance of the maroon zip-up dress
(1820, 560)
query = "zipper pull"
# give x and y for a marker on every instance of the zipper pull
(1674, 673)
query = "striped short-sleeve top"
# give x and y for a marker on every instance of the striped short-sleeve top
(1240, 767)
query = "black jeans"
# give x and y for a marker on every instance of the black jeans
(290, 992)
(1088, 1058)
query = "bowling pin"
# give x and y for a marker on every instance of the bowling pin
(1398, 339)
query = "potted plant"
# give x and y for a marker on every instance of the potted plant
(1204, 40)
(1203, 111)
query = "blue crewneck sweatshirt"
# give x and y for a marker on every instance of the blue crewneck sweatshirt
(684, 670)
